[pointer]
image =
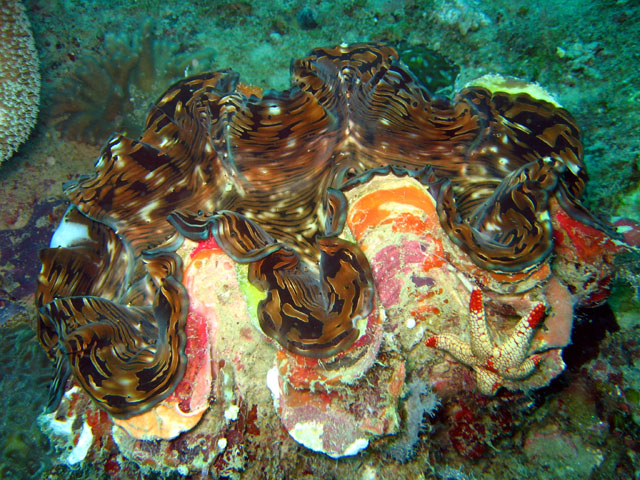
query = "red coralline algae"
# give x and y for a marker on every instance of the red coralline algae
(195, 380)
(587, 258)
(468, 433)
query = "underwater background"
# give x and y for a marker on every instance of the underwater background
(102, 64)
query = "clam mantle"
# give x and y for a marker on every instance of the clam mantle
(305, 252)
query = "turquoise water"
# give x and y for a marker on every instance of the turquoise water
(97, 78)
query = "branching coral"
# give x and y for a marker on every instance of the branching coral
(19, 78)
(113, 91)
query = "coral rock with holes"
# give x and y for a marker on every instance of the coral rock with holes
(19, 78)
(323, 245)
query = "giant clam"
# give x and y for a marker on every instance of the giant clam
(330, 199)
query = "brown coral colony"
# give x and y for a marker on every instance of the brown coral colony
(266, 176)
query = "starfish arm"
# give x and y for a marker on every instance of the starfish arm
(523, 370)
(487, 382)
(454, 346)
(515, 349)
(493, 363)
(481, 343)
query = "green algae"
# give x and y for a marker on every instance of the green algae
(434, 70)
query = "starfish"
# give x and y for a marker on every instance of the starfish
(493, 363)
